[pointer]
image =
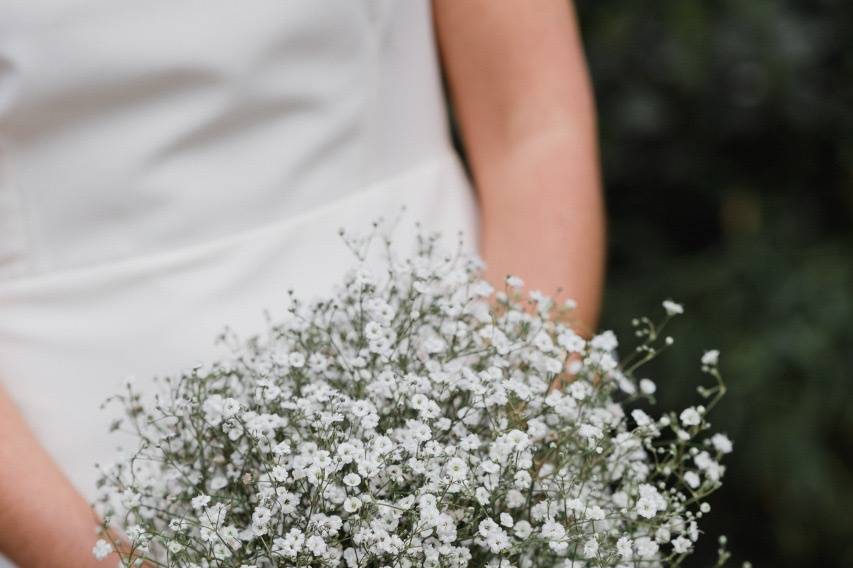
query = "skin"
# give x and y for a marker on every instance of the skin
(522, 96)
(44, 522)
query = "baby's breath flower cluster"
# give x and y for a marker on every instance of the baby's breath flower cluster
(416, 418)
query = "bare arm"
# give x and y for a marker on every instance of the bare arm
(522, 95)
(44, 522)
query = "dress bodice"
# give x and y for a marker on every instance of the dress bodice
(132, 128)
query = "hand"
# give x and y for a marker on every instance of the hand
(44, 521)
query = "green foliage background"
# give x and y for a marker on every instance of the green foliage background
(727, 138)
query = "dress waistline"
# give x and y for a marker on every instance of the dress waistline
(405, 181)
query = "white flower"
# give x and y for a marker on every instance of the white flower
(260, 519)
(646, 507)
(722, 443)
(368, 467)
(575, 505)
(136, 534)
(212, 408)
(672, 308)
(543, 342)
(352, 479)
(646, 547)
(605, 341)
(175, 547)
(483, 496)
(552, 530)
(281, 449)
(130, 498)
(102, 549)
(221, 551)
(681, 545)
(522, 529)
(710, 467)
(316, 545)
(711, 358)
(571, 342)
(589, 431)
(482, 289)
(457, 469)
(352, 504)
(200, 501)
(296, 360)
(218, 482)
(289, 546)
(373, 330)
(590, 548)
(579, 389)
(514, 282)
(624, 547)
(640, 417)
(691, 478)
(690, 417)
(506, 520)
(230, 407)
(493, 535)
(647, 387)
(515, 499)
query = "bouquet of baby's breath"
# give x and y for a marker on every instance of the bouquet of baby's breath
(416, 418)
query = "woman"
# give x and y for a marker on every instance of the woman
(172, 166)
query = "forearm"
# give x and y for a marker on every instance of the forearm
(44, 522)
(523, 98)
(542, 217)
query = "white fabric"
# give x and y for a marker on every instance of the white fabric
(171, 166)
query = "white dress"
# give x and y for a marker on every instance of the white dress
(171, 166)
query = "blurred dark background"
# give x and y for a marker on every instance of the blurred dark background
(727, 139)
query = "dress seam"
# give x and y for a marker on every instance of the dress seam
(442, 159)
